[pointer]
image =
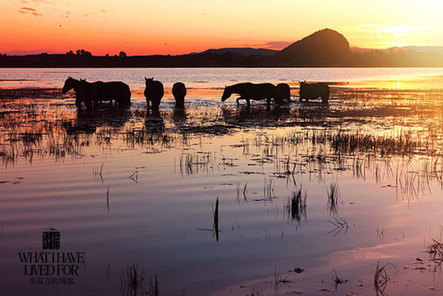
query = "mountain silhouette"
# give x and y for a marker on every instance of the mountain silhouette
(322, 48)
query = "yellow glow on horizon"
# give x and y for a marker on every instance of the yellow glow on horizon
(177, 27)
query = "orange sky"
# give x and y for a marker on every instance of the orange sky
(177, 26)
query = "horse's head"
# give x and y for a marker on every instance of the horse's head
(226, 93)
(149, 80)
(70, 83)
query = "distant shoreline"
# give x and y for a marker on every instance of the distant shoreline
(184, 67)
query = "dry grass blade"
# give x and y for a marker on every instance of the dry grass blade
(296, 205)
(333, 198)
(340, 225)
(216, 229)
(381, 278)
(435, 251)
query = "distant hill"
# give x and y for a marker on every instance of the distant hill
(322, 48)
(242, 51)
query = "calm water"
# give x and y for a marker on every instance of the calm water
(219, 77)
(132, 195)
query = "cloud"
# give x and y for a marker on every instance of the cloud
(29, 10)
(272, 44)
(277, 44)
(35, 1)
(102, 10)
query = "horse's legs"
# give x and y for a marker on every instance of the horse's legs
(325, 98)
(88, 104)
(78, 102)
(268, 103)
(238, 100)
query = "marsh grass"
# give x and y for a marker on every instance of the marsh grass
(107, 199)
(337, 280)
(340, 226)
(296, 206)
(381, 278)
(191, 164)
(215, 224)
(215, 229)
(279, 280)
(435, 252)
(134, 176)
(97, 173)
(334, 198)
(132, 281)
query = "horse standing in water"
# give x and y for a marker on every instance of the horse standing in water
(154, 92)
(113, 90)
(91, 93)
(179, 92)
(283, 93)
(250, 91)
(84, 91)
(313, 91)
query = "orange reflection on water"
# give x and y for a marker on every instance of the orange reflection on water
(406, 83)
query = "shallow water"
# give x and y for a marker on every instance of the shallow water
(401, 78)
(135, 194)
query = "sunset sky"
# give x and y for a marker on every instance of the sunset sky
(175, 26)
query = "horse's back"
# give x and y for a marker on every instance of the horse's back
(154, 90)
(314, 90)
(113, 90)
(179, 90)
(256, 90)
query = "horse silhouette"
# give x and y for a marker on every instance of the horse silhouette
(116, 91)
(91, 93)
(283, 93)
(179, 92)
(313, 91)
(154, 92)
(250, 91)
(84, 91)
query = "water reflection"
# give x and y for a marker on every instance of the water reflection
(154, 122)
(88, 121)
(255, 115)
(179, 116)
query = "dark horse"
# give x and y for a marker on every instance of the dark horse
(91, 93)
(283, 93)
(84, 91)
(313, 91)
(116, 91)
(250, 91)
(154, 92)
(179, 92)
